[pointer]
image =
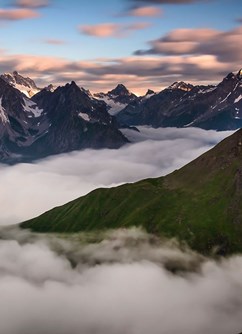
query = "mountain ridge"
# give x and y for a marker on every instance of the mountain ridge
(45, 124)
(198, 204)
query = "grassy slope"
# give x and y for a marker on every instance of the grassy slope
(199, 203)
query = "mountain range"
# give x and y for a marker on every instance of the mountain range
(199, 204)
(37, 122)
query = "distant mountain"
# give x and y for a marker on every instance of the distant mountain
(77, 121)
(19, 122)
(117, 99)
(24, 85)
(53, 122)
(181, 105)
(199, 203)
(62, 119)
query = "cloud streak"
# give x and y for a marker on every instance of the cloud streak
(147, 11)
(53, 41)
(31, 3)
(168, 2)
(111, 29)
(17, 14)
(199, 42)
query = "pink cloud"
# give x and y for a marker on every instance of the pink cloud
(168, 2)
(148, 11)
(100, 30)
(226, 46)
(52, 41)
(31, 3)
(17, 14)
(111, 29)
(138, 73)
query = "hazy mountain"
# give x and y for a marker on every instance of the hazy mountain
(181, 104)
(199, 203)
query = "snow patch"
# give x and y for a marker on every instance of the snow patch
(189, 124)
(238, 99)
(114, 107)
(3, 116)
(84, 116)
(31, 107)
(225, 98)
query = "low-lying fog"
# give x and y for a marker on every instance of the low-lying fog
(121, 282)
(129, 283)
(30, 189)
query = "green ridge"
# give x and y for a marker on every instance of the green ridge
(199, 204)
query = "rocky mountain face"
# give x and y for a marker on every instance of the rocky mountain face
(67, 118)
(181, 105)
(76, 121)
(19, 122)
(117, 99)
(199, 204)
(53, 122)
(24, 85)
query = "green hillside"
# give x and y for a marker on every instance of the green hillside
(200, 203)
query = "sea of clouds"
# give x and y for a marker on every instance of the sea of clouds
(30, 189)
(126, 282)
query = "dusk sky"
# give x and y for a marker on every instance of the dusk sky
(140, 43)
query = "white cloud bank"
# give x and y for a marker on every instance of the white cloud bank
(30, 189)
(119, 286)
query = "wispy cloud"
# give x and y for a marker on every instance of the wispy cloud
(17, 14)
(199, 42)
(31, 3)
(53, 41)
(168, 2)
(111, 29)
(147, 11)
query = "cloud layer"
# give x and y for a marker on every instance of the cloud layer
(116, 282)
(128, 283)
(34, 188)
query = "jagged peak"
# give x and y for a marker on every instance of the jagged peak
(120, 89)
(149, 92)
(181, 85)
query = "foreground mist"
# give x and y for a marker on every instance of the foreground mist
(121, 282)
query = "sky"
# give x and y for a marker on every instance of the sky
(140, 43)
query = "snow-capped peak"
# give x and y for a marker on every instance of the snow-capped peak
(24, 84)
